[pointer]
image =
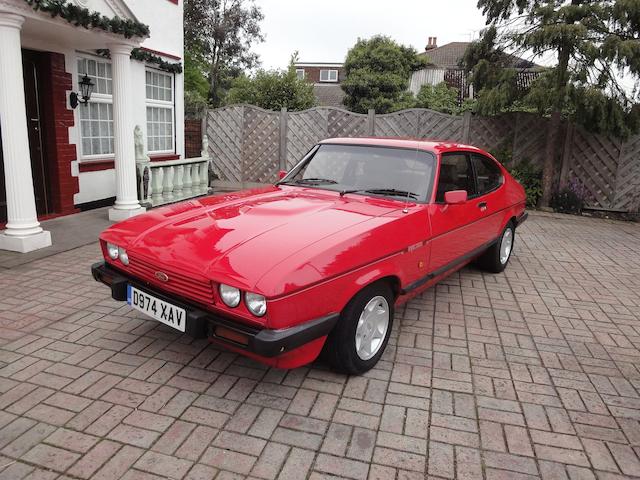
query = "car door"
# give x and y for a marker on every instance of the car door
(488, 197)
(455, 228)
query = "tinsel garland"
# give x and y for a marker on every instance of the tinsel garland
(83, 17)
(148, 57)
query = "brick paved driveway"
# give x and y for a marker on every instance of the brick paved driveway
(531, 373)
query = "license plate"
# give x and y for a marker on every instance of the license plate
(160, 310)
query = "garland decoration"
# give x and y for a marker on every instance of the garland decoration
(144, 56)
(83, 17)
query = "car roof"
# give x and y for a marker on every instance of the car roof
(433, 146)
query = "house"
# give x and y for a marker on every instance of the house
(444, 65)
(326, 79)
(76, 79)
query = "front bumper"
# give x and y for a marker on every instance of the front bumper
(201, 323)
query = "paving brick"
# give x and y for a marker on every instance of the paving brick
(228, 460)
(50, 457)
(118, 464)
(163, 465)
(341, 466)
(94, 459)
(527, 374)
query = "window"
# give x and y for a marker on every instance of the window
(351, 167)
(160, 131)
(328, 75)
(96, 127)
(96, 117)
(99, 72)
(300, 73)
(488, 174)
(455, 174)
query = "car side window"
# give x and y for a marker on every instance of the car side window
(488, 174)
(455, 174)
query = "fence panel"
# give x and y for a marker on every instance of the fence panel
(530, 138)
(492, 133)
(248, 145)
(304, 130)
(225, 128)
(594, 162)
(260, 145)
(627, 189)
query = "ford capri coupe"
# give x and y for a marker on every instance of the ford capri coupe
(319, 261)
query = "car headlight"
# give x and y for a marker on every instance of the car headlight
(256, 304)
(112, 251)
(124, 257)
(230, 295)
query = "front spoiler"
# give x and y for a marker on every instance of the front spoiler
(201, 323)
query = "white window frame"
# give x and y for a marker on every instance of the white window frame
(298, 71)
(150, 102)
(330, 73)
(95, 98)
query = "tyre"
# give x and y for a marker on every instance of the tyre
(496, 257)
(359, 338)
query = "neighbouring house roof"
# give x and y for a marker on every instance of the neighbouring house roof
(450, 55)
(328, 95)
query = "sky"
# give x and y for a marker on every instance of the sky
(324, 30)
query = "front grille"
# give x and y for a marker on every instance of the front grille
(197, 289)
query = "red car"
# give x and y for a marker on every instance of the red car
(320, 259)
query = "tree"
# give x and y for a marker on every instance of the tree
(592, 41)
(440, 98)
(219, 34)
(377, 75)
(273, 90)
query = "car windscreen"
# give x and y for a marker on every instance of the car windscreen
(387, 171)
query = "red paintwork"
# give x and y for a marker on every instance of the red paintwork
(455, 197)
(309, 251)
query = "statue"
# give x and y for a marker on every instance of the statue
(204, 153)
(138, 139)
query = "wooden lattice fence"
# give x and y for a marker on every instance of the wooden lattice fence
(249, 145)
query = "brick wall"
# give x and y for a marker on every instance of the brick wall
(192, 138)
(58, 119)
(312, 74)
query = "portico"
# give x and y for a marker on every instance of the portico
(21, 27)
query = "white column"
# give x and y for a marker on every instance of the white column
(126, 204)
(23, 232)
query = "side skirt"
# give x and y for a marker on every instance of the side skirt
(445, 268)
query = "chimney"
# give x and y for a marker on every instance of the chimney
(431, 43)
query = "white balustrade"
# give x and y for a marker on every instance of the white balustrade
(175, 180)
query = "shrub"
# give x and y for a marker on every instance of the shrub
(570, 197)
(440, 98)
(530, 177)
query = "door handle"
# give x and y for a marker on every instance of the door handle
(482, 206)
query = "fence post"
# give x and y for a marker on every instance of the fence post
(371, 122)
(566, 153)
(466, 124)
(283, 138)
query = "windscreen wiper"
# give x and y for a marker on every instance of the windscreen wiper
(313, 181)
(382, 191)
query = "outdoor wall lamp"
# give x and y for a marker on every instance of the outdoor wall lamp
(86, 87)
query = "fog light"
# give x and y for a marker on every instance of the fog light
(230, 295)
(256, 304)
(112, 250)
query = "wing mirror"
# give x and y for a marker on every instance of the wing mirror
(282, 174)
(455, 197)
